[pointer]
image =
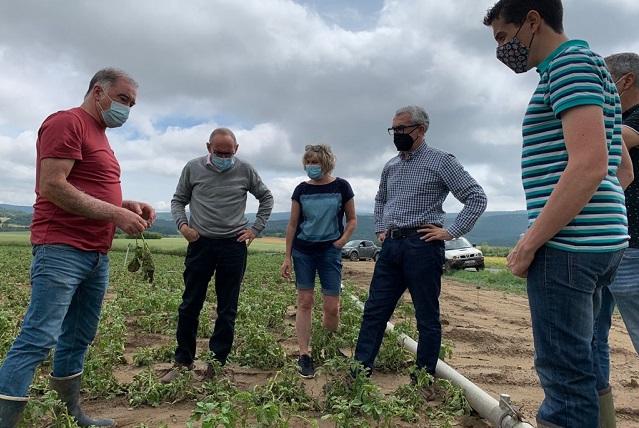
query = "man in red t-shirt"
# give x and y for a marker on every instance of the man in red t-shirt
(78, 206)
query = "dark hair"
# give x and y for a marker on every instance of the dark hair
(515, 12)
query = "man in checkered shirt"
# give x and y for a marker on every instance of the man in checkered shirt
(409, 222)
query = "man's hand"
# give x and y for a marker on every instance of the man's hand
(247, 235)
(189, 233)
(286, 269)
(434, 233)
(381, 236)
(142, 209)
(520, 258)
(130, 222)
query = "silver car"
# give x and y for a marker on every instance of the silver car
(360, 250)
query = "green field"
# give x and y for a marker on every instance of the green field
(500, 279)
(170, 245)
(259, 386)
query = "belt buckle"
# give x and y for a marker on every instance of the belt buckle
(396, 234)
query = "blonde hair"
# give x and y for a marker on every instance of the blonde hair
(322, 154)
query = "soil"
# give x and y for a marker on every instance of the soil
(492, 347)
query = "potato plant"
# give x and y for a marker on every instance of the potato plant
(137, 330)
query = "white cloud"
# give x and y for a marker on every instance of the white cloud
(282, 75)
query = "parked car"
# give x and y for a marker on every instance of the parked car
(460, 254)
(360, 249)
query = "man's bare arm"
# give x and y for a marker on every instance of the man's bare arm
(625, 172)
(630, 137)
(53, 186)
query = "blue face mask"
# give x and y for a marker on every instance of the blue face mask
(314, 172)
(222, 163)
(116, 115)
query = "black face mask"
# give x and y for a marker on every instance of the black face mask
(403, 142)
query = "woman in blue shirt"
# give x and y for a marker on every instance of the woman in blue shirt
(314, 239)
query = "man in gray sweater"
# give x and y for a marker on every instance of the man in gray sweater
(215, 188)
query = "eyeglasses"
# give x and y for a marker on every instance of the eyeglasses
(223, 154)
(401, 129)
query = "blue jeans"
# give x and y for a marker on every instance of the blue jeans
(564, 291)
(67, 289)
(405, 263)
(327, 264)
(624, 291)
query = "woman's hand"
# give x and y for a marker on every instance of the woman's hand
(286, 269)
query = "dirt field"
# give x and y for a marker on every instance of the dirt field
(492, 347)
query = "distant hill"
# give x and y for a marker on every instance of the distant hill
(500, 229)
(497, 228)
(14, 218)
(19, 208)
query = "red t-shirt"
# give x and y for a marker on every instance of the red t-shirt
(75, 134)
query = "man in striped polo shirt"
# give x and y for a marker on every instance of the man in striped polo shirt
(572, 154)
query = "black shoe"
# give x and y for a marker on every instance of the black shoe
(305, 366)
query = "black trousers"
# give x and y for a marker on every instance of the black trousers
(226, 258)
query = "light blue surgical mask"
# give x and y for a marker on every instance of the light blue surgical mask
(314, 172)
(116, 115)
(222, 163)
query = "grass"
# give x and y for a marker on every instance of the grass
(495, 262)
(501, 280)
(169, 245)
(136, 309)
(14, 238)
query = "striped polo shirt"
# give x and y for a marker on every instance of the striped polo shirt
(574, 76)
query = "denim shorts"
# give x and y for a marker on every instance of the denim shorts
(327, 264)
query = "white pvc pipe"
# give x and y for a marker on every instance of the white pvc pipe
(483, 403)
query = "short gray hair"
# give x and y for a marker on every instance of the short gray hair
(108, 76)
(624, 63)
(222, 131)
(417, 114)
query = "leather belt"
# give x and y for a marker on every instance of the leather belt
(402, 233)
(405, 232)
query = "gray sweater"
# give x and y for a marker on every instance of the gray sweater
(217, 200)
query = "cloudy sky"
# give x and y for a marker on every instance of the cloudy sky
(282, 74)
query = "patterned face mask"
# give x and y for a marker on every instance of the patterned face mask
(515, 54)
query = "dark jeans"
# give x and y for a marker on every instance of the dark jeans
(564, 292)
(407, 263)
(204, 257)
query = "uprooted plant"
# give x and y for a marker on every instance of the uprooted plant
(142, 259)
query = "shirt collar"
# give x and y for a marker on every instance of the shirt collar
(543, 67)
(406, 156)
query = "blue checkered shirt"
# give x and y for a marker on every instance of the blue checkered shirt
(414, 186)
